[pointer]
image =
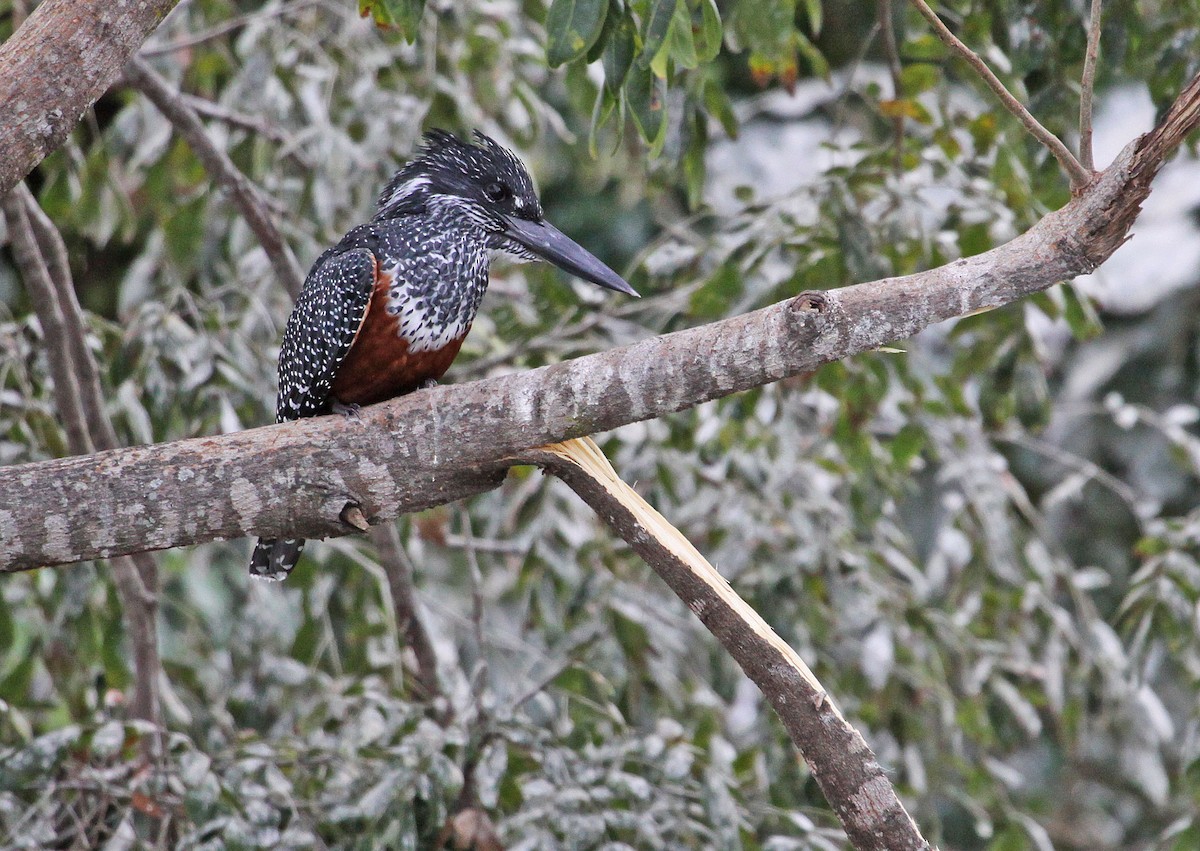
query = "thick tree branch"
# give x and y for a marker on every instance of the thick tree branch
(843, 764)
(449, 442)
(56, 65)
(244, 194)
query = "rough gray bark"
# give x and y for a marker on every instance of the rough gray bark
(56, 65)
(438, 445)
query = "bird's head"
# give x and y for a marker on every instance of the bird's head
(486, 184)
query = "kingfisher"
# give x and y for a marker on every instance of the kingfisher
(385, 311)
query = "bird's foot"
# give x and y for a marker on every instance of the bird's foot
(350, 412)
(427, 384)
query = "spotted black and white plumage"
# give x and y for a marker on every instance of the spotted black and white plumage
(386, 309)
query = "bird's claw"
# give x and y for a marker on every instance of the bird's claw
(350, 412)
(427, 384)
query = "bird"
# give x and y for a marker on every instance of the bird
(385, 311)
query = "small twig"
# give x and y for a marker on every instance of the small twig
(224, 28)
(1078, 175)
(476, 576)
(251, 123)
(247, 196)
(1093, 472)
(1087, 89)
(487, 545)
(887, 32)
(844, 766)
(408, 621)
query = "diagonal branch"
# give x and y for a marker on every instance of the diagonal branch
(79, 400)
(399, 572)
(1079, 176)
(251, 123)
(56, 65)
(28, 256)
(887, 37)
(72, 333)
(1087, 88)
(850, 777)
(244, 194)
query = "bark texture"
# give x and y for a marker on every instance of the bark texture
(442, 444)
(56, 65)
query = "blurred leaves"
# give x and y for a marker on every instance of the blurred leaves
(572, 27)
(985, 540)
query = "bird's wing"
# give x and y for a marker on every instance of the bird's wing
(321, 329)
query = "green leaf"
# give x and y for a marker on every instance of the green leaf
(813, 8)
(765, 27)
(919, 77)
(618, 54)
(611, 18)
(708, 40)
(572, 27)
(606, 104)
(646, 95)
(907, 443)
(656, 29)
(693, 161)
(720, 107)
(682, 45)
(1080, 314)
(403, 15)
(816, 59)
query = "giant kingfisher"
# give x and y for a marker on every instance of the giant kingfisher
(385, 311)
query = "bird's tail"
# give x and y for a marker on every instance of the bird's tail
(274, 558)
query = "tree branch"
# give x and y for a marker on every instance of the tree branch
(252, 124)
(398, 570)
(449, 442)
(244, 194)
(1079, 176)
(844, 766)
(887, 36)
(79, 400)
(56, 65)
(28, 256)
(1087, 88)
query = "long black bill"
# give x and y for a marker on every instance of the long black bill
(549, 243)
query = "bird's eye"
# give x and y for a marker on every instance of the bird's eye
(496, 191)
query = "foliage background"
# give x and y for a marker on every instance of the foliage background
(986, 544)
